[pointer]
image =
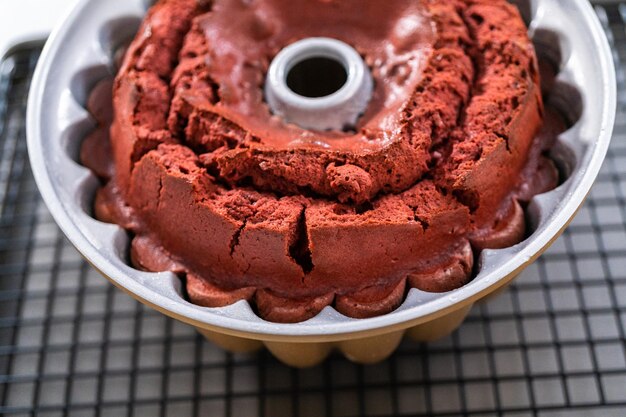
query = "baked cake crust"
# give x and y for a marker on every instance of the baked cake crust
(215, 188)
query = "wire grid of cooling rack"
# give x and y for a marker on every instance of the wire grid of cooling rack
(72, 345)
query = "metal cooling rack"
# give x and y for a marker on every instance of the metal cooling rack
(72, 345)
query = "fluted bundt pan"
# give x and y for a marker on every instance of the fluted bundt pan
(84, 50)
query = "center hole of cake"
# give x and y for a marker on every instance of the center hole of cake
(317, 77)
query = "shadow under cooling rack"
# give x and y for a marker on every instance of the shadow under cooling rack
(72, 345)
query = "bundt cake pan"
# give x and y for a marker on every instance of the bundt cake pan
(82, 51)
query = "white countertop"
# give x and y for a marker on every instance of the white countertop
(24, 21)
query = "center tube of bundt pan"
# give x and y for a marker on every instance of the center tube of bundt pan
(319, 84)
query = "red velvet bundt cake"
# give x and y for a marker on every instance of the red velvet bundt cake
(244, 205)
